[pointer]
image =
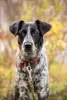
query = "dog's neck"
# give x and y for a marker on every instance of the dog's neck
(28, 62)
(20, 58)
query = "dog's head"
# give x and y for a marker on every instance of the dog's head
(30, 36)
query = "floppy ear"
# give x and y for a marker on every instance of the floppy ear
(14, 28)
(43, 26)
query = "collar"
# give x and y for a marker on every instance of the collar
(23, 62)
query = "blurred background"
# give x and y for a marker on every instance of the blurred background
(51, 11)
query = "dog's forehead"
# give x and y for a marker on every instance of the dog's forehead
(29, 24)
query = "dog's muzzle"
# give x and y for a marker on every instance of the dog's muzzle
(28, 46)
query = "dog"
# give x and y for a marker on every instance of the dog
(31, 56)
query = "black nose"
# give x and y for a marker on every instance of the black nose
(28, 46)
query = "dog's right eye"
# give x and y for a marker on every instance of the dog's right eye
(24, 31)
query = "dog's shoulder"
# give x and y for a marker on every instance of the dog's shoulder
(18, 59)
(43, 60)
(43, 54)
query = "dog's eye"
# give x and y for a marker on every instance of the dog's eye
(24, 31)
(34, 32)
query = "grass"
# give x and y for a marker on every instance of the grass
(58, 91)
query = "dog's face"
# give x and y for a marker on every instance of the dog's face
(30, 36)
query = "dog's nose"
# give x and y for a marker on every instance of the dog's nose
(28, 46)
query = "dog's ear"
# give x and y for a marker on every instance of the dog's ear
(43, 26)
(16, 27)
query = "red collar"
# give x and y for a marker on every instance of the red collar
(26, 61)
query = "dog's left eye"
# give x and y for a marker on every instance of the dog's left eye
(34, 32)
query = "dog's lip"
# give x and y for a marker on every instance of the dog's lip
(28, 52)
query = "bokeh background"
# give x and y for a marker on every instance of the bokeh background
(51, 11)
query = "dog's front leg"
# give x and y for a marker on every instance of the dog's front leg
(23, 86)
(43, 95)
(21, 94)
(41, 85)
(42, 91)
(15, 95)
(24, 95)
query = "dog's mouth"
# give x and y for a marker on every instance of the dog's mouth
(29, 54)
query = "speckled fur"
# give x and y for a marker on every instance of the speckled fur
(39, 76)
(31, 33)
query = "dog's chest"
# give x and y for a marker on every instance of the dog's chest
(38, 73)
(26, 73)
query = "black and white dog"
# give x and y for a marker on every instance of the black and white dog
(32, 53)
